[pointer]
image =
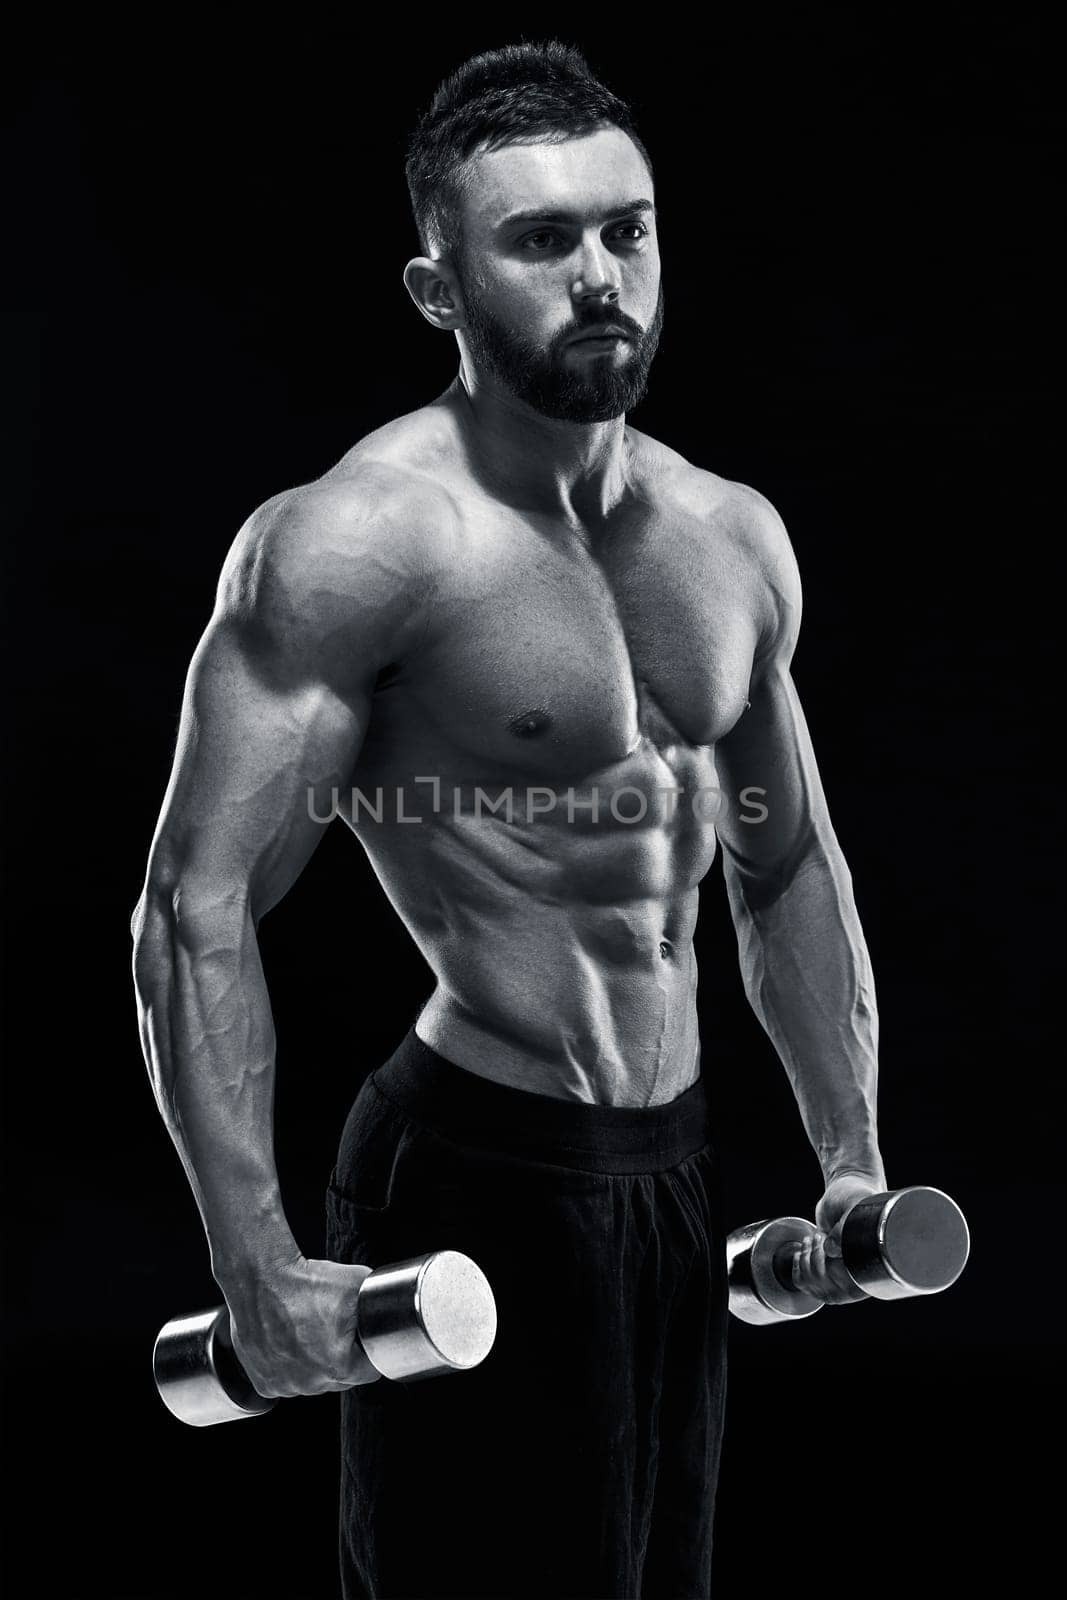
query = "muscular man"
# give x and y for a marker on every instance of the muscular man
(540, 664)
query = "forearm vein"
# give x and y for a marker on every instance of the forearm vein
(209, 1045)
(808, 977)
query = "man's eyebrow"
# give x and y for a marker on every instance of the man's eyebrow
(627, 208)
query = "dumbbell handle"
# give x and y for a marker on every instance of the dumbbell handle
(782, 1263)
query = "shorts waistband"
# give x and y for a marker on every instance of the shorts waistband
(474, 1110)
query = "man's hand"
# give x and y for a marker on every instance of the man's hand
(294, 1330)
(817, 1265)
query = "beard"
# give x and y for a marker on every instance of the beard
(602, 387)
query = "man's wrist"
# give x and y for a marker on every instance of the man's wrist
(239, 1266)
(868, 1166)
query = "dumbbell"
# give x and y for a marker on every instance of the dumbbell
(896, 1244)
(430, 1314)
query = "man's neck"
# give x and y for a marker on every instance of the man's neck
(579, 472)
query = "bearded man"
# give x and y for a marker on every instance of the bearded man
(540, 664)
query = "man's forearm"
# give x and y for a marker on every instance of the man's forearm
(208, 1040)
(808, 978)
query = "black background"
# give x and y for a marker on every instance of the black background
(857, 230)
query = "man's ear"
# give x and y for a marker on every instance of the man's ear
(433, 287)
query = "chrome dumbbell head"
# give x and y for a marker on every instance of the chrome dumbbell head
(197, 1373)
(758, 1261)
(907, 1242)
(430, 1314)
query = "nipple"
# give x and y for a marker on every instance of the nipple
(528, 724)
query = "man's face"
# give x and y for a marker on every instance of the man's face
(556, 244)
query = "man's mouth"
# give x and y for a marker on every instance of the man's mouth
(604, 335)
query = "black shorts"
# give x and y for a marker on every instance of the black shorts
(580, 1458)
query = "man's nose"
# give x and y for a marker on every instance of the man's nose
(597, 277)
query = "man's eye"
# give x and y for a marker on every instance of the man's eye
(545, 238)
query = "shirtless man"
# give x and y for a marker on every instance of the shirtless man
(539, 663)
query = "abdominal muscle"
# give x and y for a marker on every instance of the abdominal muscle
(563, 954)
(534, 1007)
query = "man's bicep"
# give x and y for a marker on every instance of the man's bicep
(259, 758)
(772, 804)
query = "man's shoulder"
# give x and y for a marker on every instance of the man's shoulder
(341, 531)
(345, 563)
(743, 526)
(366, 503)
(730, 511)
(756, 526)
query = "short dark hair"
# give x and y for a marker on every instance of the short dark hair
(515, 95)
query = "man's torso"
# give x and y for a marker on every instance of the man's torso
(536, 789)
